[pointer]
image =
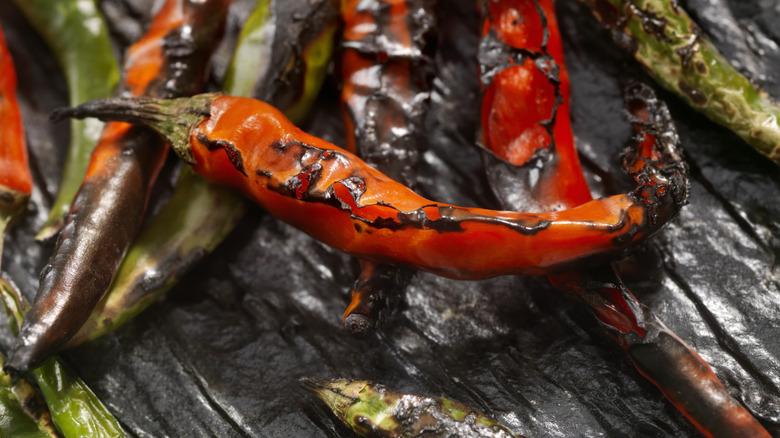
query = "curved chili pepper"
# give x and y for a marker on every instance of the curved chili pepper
(77, 34)
(374, 410)
(170, 60)
(387, 70)
(249, 145)
(199, 214)
(15, 177)
(631, 324)
(671, 47)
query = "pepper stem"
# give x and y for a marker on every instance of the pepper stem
(174, 119)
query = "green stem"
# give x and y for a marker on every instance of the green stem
(77, 34)
(665, 40)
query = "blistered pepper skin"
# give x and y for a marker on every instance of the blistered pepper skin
(170, 60)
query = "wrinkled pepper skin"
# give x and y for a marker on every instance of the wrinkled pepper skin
(672, 48)
(199, 214)
(77, 34)
(170, 60)
(662, 357)
(249, 145)
(15, 177)
(376, 411)
(387, 69)
(525, 108)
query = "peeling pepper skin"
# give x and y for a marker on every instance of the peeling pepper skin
(170, 60)
(335, 197)
(387, 70)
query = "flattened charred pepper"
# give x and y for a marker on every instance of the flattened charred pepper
(77, 34)
(15, 177)
(249, 145)
(75, 409)
(672, 48)
(387, 69)
(373, 410)
(199, 214)
(170, 60)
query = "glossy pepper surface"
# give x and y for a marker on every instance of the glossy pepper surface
(387, 70)
(199, 214)
(170, 60)
(249, 145)
(77, 34)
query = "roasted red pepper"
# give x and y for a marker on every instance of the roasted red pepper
(657, 353)
(387, 68)
(15, 177)
(169, 61)
(249, 145)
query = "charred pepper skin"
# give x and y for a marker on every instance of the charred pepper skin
(15, 177)
(170, 60)
(672, 48)
(387, 69)
(659, 355)
(249, 145)
(77, 34)
(376, 411)
(200, 214)
(526, 132)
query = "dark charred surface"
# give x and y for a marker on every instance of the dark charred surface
(221, 356)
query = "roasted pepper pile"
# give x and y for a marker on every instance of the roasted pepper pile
(277, 290)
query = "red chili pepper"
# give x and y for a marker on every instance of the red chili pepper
(170, 60)
(335, 197)
(657, 353)
(386, 69)
(15, 177)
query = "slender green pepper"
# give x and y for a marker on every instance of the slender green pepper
(664, 39)
(75, 409)
(77, 34)
(373, 410)
(22, 413)
(200, 214)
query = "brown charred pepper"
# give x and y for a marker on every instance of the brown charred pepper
(387, 69)
(199, 214)
(249, 145)
(15, 177)
(170, 60)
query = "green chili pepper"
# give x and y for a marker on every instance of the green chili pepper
(374, 410)
(665, 40)
(77, 34)
(75, 409)
(200, 215)
(22, 413)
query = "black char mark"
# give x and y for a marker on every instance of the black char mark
(314, 161)
(233, 154)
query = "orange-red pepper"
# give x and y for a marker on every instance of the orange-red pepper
(15, 177)
(335, 197)
(170, 60)
(387, 71)
(659, 355)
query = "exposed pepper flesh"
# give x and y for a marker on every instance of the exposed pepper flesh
(250, 146)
